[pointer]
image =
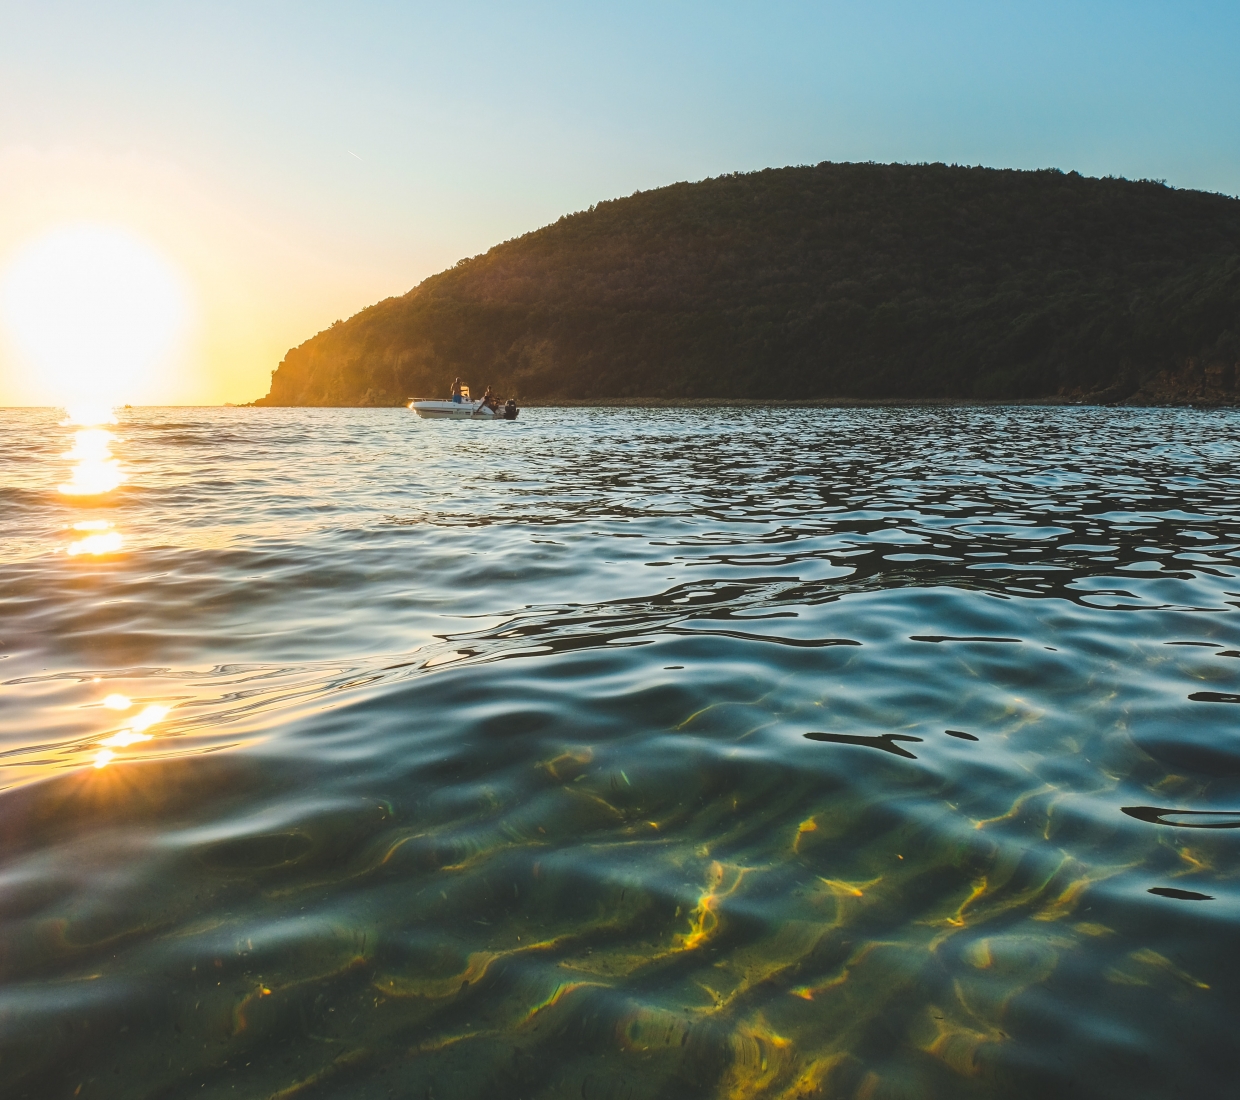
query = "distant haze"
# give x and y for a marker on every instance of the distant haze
(293, 163)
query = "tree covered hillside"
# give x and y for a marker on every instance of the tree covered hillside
(839, 280)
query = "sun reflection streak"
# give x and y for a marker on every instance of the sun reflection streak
(88, 416)
(133, 732)
(96, 472)
(148, 718)
(98, 545)
(91, 445)
(124, 739)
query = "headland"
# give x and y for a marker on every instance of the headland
(836, 282)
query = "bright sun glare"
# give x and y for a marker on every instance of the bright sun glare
(94, 311)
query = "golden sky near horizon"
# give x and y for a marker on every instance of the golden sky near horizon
(119, 274)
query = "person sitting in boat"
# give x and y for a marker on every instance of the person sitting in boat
(456, 390)
(488, 400)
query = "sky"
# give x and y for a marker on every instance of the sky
(280, 165)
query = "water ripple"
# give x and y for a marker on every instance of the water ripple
(395, 757)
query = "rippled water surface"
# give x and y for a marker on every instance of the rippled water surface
(620, 754)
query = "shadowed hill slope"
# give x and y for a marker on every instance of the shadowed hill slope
(839, 280)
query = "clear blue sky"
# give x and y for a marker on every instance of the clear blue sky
(390, 139)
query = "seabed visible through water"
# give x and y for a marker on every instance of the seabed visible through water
(620, 754)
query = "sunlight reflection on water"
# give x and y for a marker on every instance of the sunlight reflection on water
(133, 730)
(96, 472)
(108, 542)
(623, 754)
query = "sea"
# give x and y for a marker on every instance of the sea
(620, 754)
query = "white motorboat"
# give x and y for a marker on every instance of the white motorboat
(441, 408)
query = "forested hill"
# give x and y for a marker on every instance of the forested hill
(840, 280)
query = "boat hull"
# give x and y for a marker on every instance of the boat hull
(451, 410)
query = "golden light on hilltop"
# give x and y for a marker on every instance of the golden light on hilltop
(95, 312)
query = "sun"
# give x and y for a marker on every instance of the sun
(94, 313)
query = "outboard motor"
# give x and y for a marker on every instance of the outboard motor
(510, 409)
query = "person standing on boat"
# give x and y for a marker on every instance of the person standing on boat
(456, 390)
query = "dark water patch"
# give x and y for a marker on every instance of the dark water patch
(1214, 697)
(1157, 815)
(1205, 752)
(802, 643)
(961, 734)
(1178, 895)
(949, 638)
(884, 742)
